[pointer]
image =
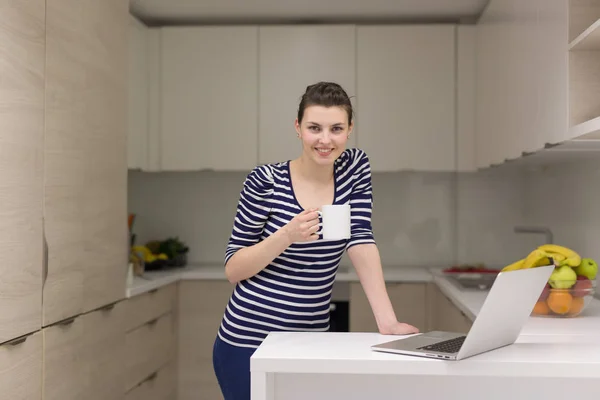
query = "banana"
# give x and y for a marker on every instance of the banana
(571, 258)
(536, 258)
(514, 266)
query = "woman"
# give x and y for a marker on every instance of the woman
(282, 270)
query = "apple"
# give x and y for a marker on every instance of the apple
(545, 293)
(587, 268)
(563, 277)
(582, 286)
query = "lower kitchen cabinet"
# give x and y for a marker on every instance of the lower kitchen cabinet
(445, 315)
(408, 299)
(21, 368)
(420, 304)
(161, 385)
(83, 356)
(201, 307)
(150, 343)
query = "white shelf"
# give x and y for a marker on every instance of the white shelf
(588, 40)
(588, 130)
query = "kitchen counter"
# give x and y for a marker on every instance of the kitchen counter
(156, 279)
(341, 365)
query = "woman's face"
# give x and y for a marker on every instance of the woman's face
(324, 132)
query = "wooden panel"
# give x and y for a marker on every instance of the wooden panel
(66, 86)
(105, 149)
(148, 306)
(408, 299)
(104, 353)
(201, 308)
(161, 385)
(148, 348)
(22, 51)
(21, 369)
(64, 371)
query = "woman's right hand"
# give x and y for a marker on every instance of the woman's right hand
(303, 227)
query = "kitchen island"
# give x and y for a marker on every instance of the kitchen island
(552, 359)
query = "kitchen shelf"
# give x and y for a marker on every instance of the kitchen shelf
(588, 39)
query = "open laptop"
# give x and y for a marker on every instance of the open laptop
(505, 310)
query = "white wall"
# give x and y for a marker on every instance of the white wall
(567, 199)
(419, 218)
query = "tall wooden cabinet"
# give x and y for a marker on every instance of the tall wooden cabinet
(21, 165)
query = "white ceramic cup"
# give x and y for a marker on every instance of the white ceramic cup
(336, 221)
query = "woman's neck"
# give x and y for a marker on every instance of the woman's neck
(312, 171)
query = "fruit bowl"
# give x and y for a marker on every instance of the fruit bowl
(564, 299)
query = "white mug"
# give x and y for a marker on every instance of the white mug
(336, 221)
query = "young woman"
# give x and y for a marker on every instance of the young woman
(282, 270)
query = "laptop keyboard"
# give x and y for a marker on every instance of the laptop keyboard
(447, 346)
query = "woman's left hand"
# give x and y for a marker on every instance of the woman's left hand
(399, 328)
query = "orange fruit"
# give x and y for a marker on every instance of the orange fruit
(559, 301)
(576, 305)
(541, 308)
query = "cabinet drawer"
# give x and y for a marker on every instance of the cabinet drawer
(149, 347)
(21, 368)
(160, 385)
(149, 306)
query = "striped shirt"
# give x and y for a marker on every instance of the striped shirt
(293, 292)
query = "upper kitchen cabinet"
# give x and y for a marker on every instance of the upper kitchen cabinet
(139, 80)
(290, 59)
(209, 92)
(406, 96)
(85, 156)
(22, 34)
(537, 77)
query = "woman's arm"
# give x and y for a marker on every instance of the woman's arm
(249, 261)
(367, 262)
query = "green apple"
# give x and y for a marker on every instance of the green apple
(587, 268)
(563, 277)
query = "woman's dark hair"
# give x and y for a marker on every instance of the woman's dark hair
(326, 94)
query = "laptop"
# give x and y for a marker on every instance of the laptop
(505, 310)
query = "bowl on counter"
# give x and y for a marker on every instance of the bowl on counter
(564, 299)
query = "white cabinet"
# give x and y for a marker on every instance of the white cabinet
(209, 91)
(138, 96)
(406, 96)
(292, 58)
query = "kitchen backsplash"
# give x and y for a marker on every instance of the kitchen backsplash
(419, 218)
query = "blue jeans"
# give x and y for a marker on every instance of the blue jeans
(232, 368)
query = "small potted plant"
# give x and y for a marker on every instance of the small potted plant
(175, 250)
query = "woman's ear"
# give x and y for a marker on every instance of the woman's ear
(297, 126)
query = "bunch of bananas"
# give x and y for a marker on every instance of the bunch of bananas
(547, 254)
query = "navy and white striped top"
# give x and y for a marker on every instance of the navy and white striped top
(293, 292)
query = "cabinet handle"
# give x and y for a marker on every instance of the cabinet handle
(152, 322)
(108, 307)
(152, 376)
(67, 321)
(17, 341)
(152, 291)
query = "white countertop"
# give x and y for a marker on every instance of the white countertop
(156, 279)
(350, 353)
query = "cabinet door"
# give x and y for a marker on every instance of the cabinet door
(201, 307)
(138, 78)
(406, 96)
(64, 365)
(209, 84)
(105, 150)
(291, 58)
(66, 57)
(21, 368)
(104, 352)
(21, 166)
(408, 299)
